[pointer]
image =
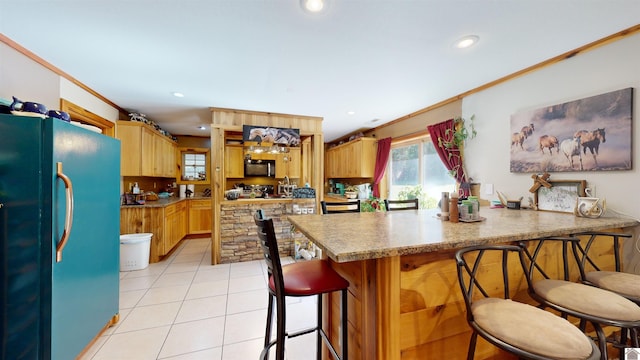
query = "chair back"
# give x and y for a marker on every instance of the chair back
(329, 207)
(269, 244)
(596, 238)
(536, 254)
(476, 266)
(392, 205)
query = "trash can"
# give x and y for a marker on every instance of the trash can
(134, 251)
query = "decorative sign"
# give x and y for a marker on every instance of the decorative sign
(272, 135)
(304, 193)
(589, 134)
(561, 196)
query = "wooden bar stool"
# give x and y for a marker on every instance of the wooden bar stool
(393, 205)
(333, 207)
(305, 278)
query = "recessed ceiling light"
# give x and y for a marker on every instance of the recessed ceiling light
(177, 94)
(467, 41)
(351, 112)
(202, 127)
(313, 6)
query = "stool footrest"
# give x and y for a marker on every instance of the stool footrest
(265, 352)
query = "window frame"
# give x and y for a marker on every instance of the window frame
(420, 140)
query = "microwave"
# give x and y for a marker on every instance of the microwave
(260, 168)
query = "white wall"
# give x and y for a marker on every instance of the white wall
(611, 67)
(79, 96)
(27, 80)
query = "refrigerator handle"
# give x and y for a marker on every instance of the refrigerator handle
(68, 218)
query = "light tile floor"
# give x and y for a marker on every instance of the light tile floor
(184, 308)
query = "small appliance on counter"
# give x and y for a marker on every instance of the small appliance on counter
(339, 188)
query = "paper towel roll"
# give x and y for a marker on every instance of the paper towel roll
(192, 188)
(183, 189)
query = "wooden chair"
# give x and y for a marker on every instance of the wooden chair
(520, 329)
(329, 207)
(587, 303)
(393, 205)
(304, 278)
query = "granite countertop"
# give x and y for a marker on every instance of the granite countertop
(165, 202)
(362, 236)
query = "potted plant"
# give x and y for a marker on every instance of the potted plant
(351, 191)
(455, 137)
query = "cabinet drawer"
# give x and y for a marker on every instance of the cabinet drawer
(200, 203)
(174, 208)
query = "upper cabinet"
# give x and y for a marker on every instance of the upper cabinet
(355, 159)
(234, 161)
(288, 164)
(145, 152)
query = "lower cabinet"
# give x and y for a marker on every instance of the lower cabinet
(168, 224)
(200, 216)
(175, 225)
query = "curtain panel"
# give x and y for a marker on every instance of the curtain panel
(382, 158)
(450, 155)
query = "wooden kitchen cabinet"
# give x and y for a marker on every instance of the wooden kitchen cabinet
(164, 157)
(145, 152)
(234, 161)
(175, 225)
(200, 216)
(355, 159)
(167, 224)
(288, 164)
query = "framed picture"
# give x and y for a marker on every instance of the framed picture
(588, 134)
(561, 196)
(271, 135)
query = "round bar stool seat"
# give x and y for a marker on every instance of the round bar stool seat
(311, 277)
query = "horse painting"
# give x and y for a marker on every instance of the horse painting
(518, 139)
(527, 130)
(591, 140)
(571, 148)
(550, 142)
(274, 135)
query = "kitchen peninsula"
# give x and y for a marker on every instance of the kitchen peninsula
(404, 298)
(238, 239)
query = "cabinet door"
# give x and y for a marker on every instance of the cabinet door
(288, 164)
(182, 222)
(131, 148)
(164, 157)
(170, 226)
(147, 153)
(199, 216)
(234, 161)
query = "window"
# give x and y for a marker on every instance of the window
(194, 166)
(415, 171)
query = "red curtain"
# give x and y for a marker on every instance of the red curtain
(450, 156)
(382, 157)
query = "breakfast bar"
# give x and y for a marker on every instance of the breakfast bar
(404, 300)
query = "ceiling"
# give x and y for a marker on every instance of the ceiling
(381, 59)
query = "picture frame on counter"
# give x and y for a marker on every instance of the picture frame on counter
(561, 196)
